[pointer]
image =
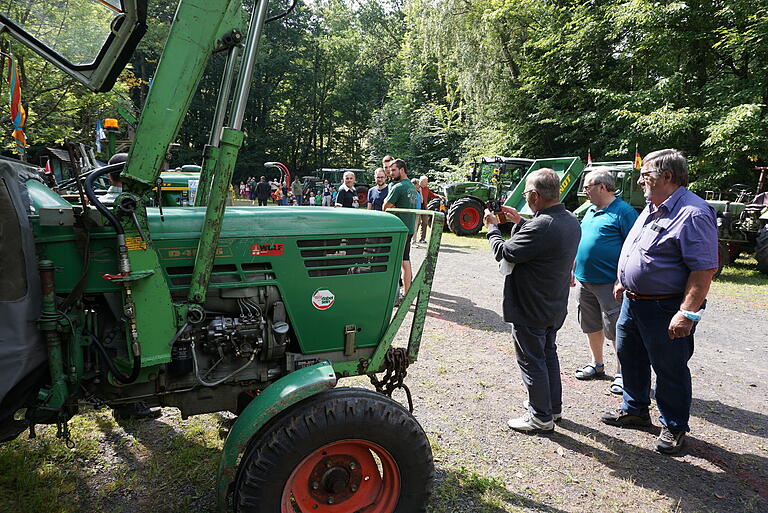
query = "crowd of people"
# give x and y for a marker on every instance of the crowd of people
(346, 195)
(641, 281)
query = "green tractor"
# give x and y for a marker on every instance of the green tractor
(500, 180)
(491, 179)
(742, 224)
(255, 311)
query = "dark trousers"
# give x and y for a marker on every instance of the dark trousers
(642, 342)
(536, 350)
(262, 202)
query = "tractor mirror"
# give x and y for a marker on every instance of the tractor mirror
(91, 41)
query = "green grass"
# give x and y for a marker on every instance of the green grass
(462, 489)
(477, 241)
(164, 467)
(742, 282)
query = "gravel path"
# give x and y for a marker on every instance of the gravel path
(467, 384)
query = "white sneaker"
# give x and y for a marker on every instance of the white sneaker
(531, 424)
(556, 417)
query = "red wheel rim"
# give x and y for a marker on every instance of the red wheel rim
(343, 477)
(469, 218)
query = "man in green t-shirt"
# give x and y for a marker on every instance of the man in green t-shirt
(402, 194)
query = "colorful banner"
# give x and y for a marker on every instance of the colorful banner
(18, 114)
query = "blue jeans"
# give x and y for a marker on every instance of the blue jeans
(642, 342)
(536, 352)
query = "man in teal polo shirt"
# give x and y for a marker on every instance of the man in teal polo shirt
(603, 230)
(402, 194)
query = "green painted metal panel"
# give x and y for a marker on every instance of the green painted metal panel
(190, 43)
(280, 395)
(361, 298)
(569, 170)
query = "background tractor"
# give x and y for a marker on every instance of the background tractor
(204, 308)
(502, 180)
(491, 179)
(742, 223)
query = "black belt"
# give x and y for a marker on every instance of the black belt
(632, 295)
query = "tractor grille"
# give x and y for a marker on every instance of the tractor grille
(338, 257)
(224, 273)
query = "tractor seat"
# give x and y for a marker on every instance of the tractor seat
(761, 199)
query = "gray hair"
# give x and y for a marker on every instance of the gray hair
(546, 182)
(602, 176)
(349, 173)
(668, 160)
(423, 177)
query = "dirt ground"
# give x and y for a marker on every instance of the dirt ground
(465, 385)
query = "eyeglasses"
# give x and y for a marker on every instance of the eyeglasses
(588, 186)
(525, 193)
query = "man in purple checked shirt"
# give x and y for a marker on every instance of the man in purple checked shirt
(665, 268)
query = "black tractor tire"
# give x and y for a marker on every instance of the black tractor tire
(311, 447)
(437, 206)
(761, 250)
(465, 217)
(723, 258)
(362, 195)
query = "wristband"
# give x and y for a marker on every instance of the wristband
(694, 316)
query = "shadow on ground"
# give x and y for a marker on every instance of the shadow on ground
(460, 310)
(730, 417)
(176, 473)
(467, 492)
(738, 484)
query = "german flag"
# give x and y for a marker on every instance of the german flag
(638, 159)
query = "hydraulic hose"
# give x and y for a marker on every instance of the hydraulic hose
(96, 173)
(119, 376)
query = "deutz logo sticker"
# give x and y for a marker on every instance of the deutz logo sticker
(267, 249)
(323, 299)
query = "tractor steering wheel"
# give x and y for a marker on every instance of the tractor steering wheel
(740, 190)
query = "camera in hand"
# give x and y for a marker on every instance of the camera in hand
(493, 205)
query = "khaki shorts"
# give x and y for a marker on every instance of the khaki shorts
(598, 309)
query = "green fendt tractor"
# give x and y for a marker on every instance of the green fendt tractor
(256, 311)
(501, 180)
(491, 179)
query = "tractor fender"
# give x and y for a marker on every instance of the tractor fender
(277, 397)
(470, 196)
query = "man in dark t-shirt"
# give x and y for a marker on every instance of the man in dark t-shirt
(263, 190)
(347, 195)
(378, 193)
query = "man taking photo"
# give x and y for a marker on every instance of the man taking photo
(537, 261)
